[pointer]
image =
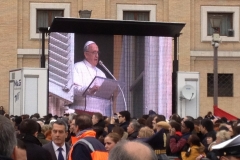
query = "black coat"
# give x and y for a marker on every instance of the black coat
(157, 140)
(133, 135)
(5, 158)
(34, 148)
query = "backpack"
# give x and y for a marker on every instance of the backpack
(96, 155)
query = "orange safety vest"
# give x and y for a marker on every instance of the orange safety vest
(95, 154)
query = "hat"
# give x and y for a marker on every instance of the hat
(230, 147)
(88, 43)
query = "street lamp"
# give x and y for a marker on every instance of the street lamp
(215, 21)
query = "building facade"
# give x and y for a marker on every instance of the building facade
(21, 42)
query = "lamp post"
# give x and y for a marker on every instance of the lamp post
(215, 21)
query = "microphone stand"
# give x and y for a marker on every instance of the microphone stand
(125, 104)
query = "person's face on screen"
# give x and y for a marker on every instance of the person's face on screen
(92, 53)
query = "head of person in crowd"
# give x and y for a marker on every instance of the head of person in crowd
(145, 116)
(222, 136)
(211, 137)
(175, 117)
(59, 132)
(8, 140)
(132, 150)
(149, 121)
(111, 140)
(118, 130)
(20, 151)
(142, 122)
(97, 120)
(195, 142)
(196, 125)
(224, 119)
(37, 115)
(133, 126)
(82, 122)
(236, 129)
(188, 118)
(91, 52)
(176, 126)
(124, 116)
(157, 119)
(206, 126)
(29, 127)
(99, 133)
(187, 127)
(25, 116)
(228, 150)
(145, 132)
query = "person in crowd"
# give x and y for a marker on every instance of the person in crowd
(159, 139)
(8, 140)
(84, 135)
(188, 118)
(229, 150)
(196, 148)
(211, 138)
(120, 131)
(177, 146)
(28, 134)
(142, 122)
(133, 129)
(209, 115)
(206, 126)
(41, 137)
(57, 147)
(83, 74)
(145, 133)
(21, 152)
(124, 119)
(132, 150)
(236, 129)
(97, 119)
(2, 111)
(175, 117)
(177, 136)
(111, 140)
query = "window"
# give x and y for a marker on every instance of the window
(136, 15)
(40, 10)
(45, 17)
(225, 85)
(230, 21)
(226, 23)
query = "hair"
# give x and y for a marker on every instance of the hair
(223, 127)
(45, 128)
(223, 135)
(37, 115)
(125, 114)
(83, 121)
(21, 144)
(212, 135)
(135, 125)
(160, 118)
(122, 151)
(236, 130)
(114, 136)
(98, 115)
(190, 118)
(62, 123)
(25, 116)
(207, 124)
(29, 126)
(7, 137)
(224, 119)
(149, 121)
(145, 132)
(118, 130)
(209, 113)
(71, 116)
(176, 118)
(190, 125)
(175, 125)
(145, 116)
(142, 121)
(194, 140)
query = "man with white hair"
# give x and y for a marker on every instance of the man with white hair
(84, 72)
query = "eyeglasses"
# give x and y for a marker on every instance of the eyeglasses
(94, 52)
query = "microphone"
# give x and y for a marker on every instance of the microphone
(101, 64)
(106, 69)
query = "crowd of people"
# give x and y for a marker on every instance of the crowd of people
(150, 137)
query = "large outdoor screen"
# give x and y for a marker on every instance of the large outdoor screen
(141, 65)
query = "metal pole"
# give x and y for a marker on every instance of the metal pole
(174, 76)
(215, 71)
